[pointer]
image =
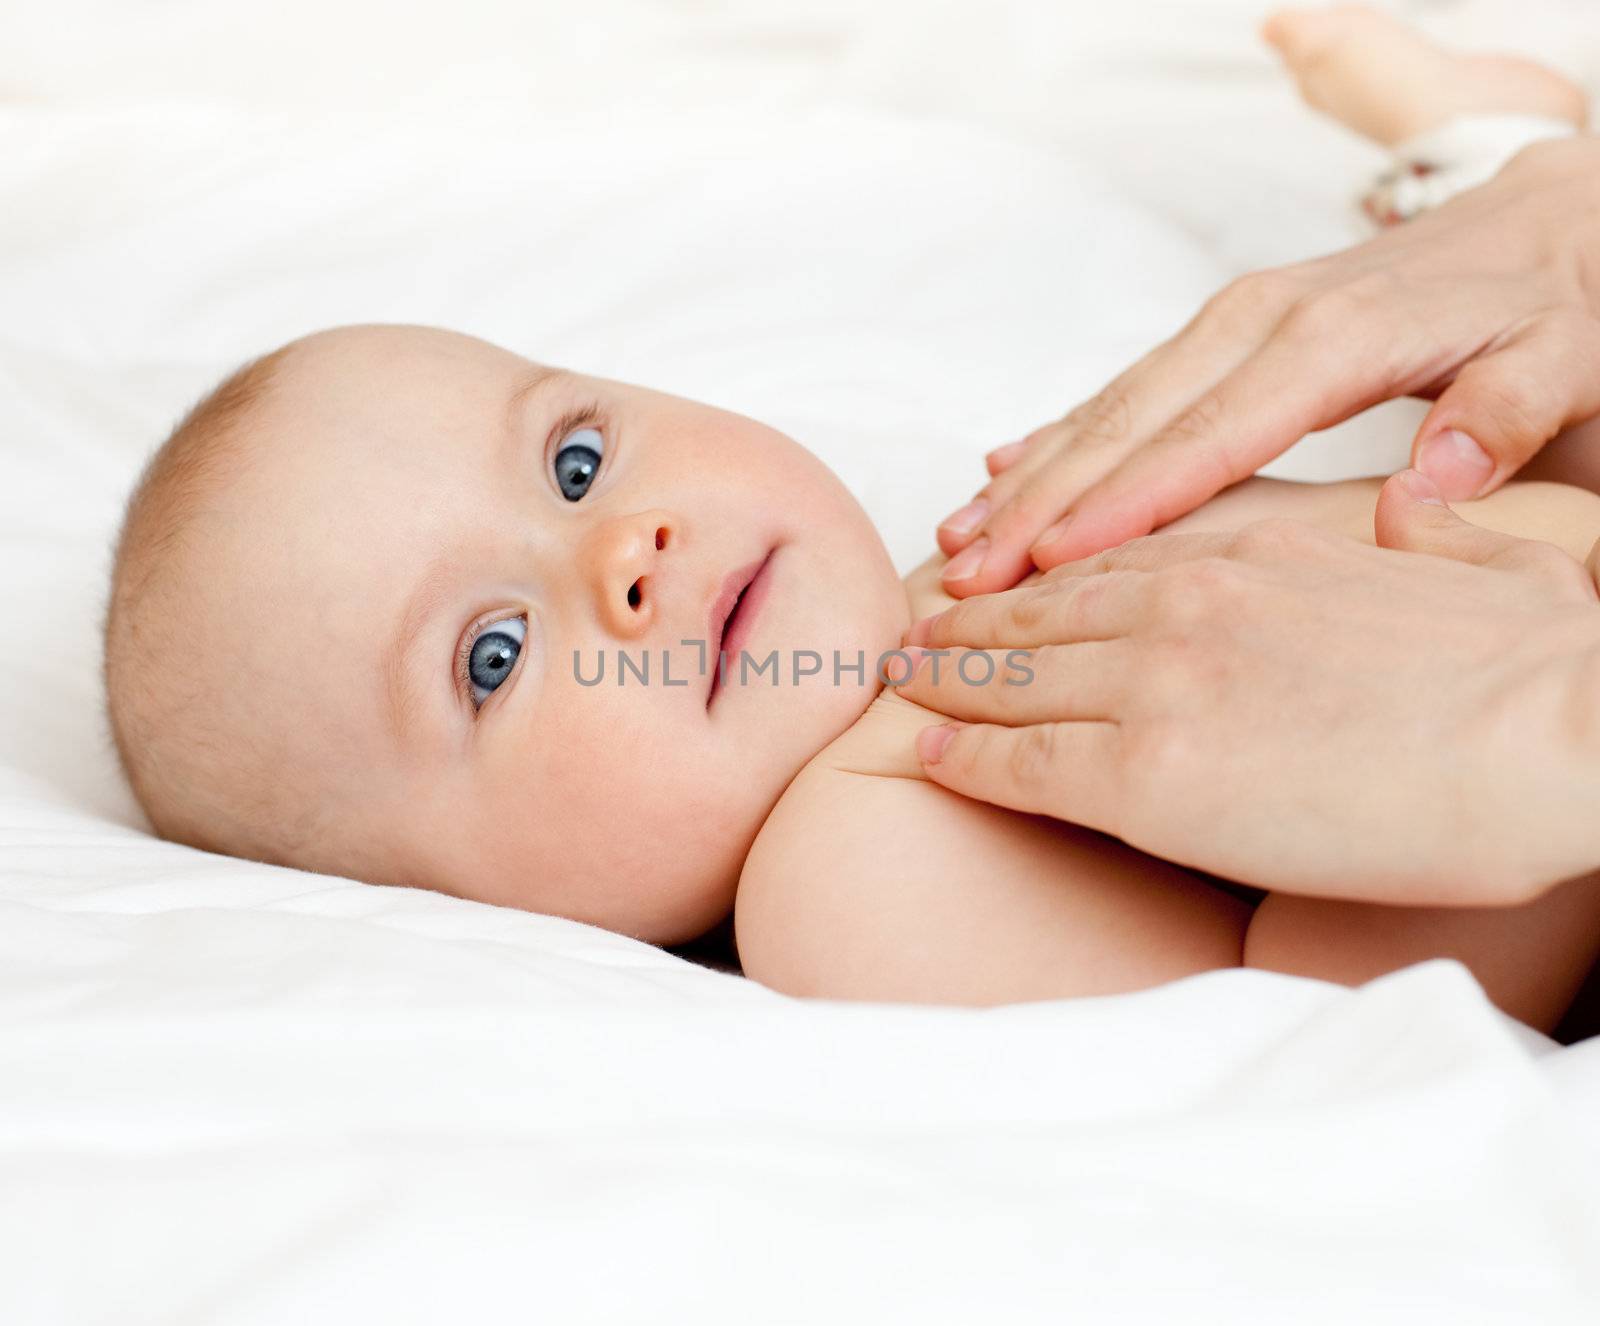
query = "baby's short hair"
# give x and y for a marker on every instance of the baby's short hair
(181, 779)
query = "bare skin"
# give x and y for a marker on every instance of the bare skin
(400, 500)
(968, 902)
(397, 503)
(318, 584)
(1491, 306)
(1389, 83)
(1069, 913)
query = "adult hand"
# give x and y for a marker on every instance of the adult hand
(1297, 710)
(1491, 304)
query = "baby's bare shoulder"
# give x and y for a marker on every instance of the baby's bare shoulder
(852, 780)
(870, 882)
(813, 872)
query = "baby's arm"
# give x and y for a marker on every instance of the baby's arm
(1557, 513)
(869, 882)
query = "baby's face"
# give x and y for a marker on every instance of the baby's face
(435, 544)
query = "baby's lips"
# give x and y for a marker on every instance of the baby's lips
(919, 633)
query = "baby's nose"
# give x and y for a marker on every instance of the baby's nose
(628, 562)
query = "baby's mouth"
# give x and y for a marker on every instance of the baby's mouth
(732, 616)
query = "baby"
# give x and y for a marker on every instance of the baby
(397, 604)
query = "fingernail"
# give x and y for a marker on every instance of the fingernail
(1456, 463)
(1421, 487)
(931, 742)
(921, 631)
(916, 655)
(968, 562)
(1004, 455)
(1052, 534)
(967, 519)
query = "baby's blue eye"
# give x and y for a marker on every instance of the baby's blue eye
(494, 654)
(578, 462)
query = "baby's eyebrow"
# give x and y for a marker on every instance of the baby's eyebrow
(536, 381)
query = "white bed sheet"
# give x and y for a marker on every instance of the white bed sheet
(236, 1093)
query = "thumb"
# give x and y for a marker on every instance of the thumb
(1412, 517)
(1506, 404)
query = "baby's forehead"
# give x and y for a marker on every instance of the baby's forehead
(290, 597)
(349, 373)
(280, 528)
(373, 457)
(360, 410)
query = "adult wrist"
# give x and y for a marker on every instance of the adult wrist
(1532, 796)
(1566, 172)
(1583, 161)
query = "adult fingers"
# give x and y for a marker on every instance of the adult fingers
(1008, 467)
(1033, 453)
(1018, 686)
(1411, 517)
(1298, 382)
(1152, 552)
(1066, 770)
(1003, 458)
(998, 558)
(1505, 405)
(1048, 613)
(1066, 459)
(1096, 598)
